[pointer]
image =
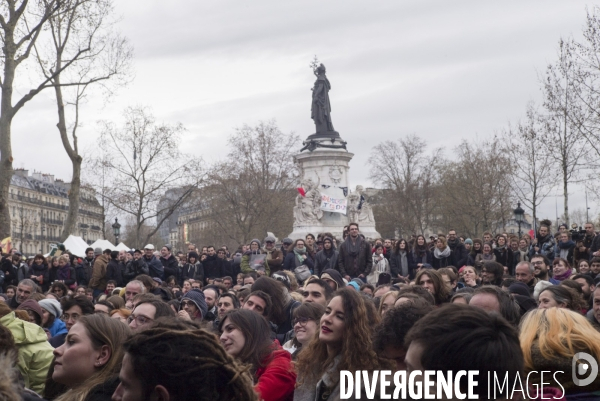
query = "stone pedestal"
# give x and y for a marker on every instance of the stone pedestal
(328, 169)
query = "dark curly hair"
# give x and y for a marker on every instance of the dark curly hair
(189, 362)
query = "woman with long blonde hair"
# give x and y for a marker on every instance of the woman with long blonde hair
(89, 361)
(550, 338)
(343, 342)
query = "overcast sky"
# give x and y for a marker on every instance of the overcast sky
(444, 70)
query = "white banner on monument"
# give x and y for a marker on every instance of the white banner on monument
(333, 205)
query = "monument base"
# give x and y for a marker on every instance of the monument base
(327, 168)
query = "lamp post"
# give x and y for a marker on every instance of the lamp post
(116, 230)
(519, 215)
(43, 230)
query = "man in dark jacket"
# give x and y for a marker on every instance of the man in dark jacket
(83, 271)
(212, 264)
(355, 258)
(135, 267)
(155, 267)
(169, 262)
(113, 269)
(459, 252)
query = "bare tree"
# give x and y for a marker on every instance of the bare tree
(84, 24)
(21, 24)
(475, 190)
(407, 173)
(532, 173)
(143, 162)
(564, 119)
(253, 191)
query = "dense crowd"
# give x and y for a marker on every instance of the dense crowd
(280, 321)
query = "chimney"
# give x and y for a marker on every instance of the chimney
(21, 172)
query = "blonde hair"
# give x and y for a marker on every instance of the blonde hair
(387, 294)
(557, 331)
(442, 239)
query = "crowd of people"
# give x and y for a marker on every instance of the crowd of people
(280, 321)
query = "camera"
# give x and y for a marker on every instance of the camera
(577, 233)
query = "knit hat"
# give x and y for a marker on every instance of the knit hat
(169, 247)
(269, 238)
(469, 241)
(32, 305)
(197, 297)
(98, 251)
(287, 241)
(158, 280)
(257, 241)
(354, 285)
(52, 306)
(193, 255)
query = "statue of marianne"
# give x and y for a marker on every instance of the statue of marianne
(321, 108)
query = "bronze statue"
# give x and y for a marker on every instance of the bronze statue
(321, 108)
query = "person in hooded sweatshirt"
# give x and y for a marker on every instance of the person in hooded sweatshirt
(327, 257)
(35, 352)
(255, 260)
(333, 278)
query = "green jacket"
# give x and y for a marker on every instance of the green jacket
(35, 352)
(245, 265)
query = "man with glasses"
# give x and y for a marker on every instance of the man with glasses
(274, 255)
(541, 265)
(73, 309)
(148, 311)
(355, 258)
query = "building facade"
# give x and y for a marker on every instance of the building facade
(39, 204)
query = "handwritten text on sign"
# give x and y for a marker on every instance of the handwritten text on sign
(334, 205)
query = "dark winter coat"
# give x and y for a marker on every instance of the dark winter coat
(324, 262)
(460, 254)
(506, 258)
(289, 263)
(212, 267)
(396, 264)
(155, 267)
(43, 271)
(170, 265)
(84, 271)
(192, 270)
(353, 266)
(416, 258)
(114, 271)
(134, 268)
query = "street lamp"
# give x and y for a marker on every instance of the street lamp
(519, 215)
(116, 230)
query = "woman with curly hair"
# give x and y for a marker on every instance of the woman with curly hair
(550, 339)
(343, 343)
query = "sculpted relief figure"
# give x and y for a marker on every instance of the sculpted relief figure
(308, 207)
(357, 212)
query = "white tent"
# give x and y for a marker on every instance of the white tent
(76, 245)
(122, 247)
(103, 244)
